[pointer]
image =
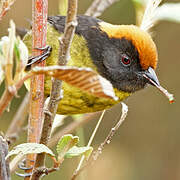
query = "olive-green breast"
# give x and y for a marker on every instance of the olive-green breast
(74, 100)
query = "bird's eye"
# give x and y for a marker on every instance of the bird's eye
(125, 60)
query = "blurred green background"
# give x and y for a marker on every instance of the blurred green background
(147, 145)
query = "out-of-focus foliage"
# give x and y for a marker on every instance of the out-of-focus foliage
(168, 12)
(10, 46)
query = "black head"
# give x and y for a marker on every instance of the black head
(122, 66)
(118, 61)
(126, 61)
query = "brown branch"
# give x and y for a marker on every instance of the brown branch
(55, 96)
(18, 120)
(10, 92)
(98, 7)
(4, 164)
(6, 98)
(39, 31)
(44, 171)
(106, 141)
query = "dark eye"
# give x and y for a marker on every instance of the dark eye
(125, 60)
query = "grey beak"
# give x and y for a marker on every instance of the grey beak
(150, 75)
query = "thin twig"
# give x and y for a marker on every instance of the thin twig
(18, 120)
(106, 141)
(90, 140)
(10, 92)
(98, 7)
(39, 31)
(6, 98)
(56, 85)
(112, 132)
(44, 171)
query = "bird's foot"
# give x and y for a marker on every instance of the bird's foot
(22, 166)
(37, 59)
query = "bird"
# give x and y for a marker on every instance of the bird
(125, 55)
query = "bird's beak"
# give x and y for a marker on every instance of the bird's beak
(151, 76)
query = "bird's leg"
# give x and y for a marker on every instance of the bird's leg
(37, 59)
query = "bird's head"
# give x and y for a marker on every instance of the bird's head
(129, 58)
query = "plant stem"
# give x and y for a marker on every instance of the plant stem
(112, 131)
(5, 100)
(91, 139)
(10, 92)
(39, 28)
(106, 141)
(56, 95)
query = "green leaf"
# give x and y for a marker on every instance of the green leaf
(30, 148)
(77, 151)
(66, 143)
(168, 11)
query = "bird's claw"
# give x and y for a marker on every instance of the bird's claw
(45, 48)
(23, 175)
(37, 59)
(22, 166)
